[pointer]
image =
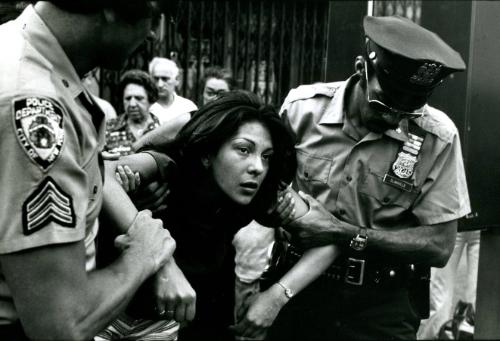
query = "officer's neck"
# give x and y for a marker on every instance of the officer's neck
(354, 105)
(75, 39)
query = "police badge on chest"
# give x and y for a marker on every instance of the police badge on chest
(403, 167)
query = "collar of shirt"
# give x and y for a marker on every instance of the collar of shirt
(335, 114)
(42, 39)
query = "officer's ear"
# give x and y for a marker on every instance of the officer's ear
(109, 15)
(206, 161)
(359, 65)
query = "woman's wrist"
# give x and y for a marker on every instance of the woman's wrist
(278, 294)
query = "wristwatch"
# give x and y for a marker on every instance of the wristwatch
(359, 241)
(288, 292)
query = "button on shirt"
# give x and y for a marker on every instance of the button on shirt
(345, 171)
(51, 189)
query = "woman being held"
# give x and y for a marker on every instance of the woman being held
(224, 169)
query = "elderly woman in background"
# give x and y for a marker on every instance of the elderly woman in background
(139, 92)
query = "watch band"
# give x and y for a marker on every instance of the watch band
(288, 292)
(359, 241)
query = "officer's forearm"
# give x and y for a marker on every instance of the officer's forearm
(118, 209)
(67, 303)
(430, 245)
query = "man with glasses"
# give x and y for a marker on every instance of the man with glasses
(52, 175)
(383, 174)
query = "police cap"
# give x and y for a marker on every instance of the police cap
(408, 57)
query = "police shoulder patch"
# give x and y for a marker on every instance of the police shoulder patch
(39, 129)
(48, 203)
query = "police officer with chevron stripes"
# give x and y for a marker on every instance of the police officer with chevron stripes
(51, 175)
(383, 174)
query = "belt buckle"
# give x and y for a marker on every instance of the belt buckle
(355, 271)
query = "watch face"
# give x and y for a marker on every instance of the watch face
(359, 242)
(289, 293)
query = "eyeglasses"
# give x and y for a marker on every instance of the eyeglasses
(384, 108)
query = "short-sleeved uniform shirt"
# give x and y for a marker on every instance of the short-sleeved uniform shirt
(50, 175)
(345, 171)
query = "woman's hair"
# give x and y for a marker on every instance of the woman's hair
(218, 73)
(141, 78)
(219, 120)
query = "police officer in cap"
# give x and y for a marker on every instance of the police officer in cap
(383, 174)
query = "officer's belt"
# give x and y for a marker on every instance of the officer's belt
(363, 272)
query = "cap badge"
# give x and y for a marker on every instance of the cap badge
(426, 74)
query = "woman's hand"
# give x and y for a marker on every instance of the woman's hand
(262, 312)
(129, 180)
(175, 298)
(285, 209)
(151, 196)
(282, 212)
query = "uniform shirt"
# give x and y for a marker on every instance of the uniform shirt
(345, 171)
(50, 176)
(179, 106)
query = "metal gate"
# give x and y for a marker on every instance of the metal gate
(270, 46)
(411, 9)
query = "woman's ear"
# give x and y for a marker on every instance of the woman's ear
(359, 65)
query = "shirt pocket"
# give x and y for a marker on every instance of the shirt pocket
(313, 168)
(384, 194)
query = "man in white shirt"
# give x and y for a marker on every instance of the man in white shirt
(169, 105)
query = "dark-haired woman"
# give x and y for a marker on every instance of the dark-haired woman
(230, 160)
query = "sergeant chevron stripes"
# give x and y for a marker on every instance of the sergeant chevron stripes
(48, 203)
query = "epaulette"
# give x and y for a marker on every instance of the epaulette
(311, 90)
(438, 123)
